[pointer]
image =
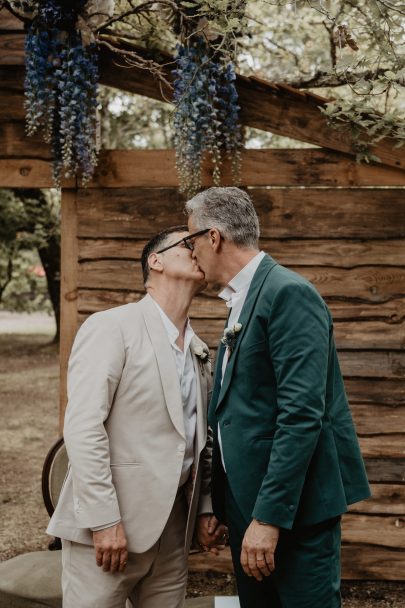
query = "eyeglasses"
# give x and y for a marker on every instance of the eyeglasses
(186, 241)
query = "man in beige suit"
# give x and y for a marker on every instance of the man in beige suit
(136, 431)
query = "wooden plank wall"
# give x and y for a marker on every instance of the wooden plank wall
(349, 241)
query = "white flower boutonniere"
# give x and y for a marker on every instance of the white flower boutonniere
(203, 355)
(230, 336)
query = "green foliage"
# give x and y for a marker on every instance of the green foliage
(25, 229)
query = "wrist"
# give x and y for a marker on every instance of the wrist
(262, 523)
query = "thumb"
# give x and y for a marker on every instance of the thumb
(212, 524)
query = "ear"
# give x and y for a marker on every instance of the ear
(215, 239)
(155, 262)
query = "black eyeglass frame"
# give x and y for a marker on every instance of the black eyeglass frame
(186, 241)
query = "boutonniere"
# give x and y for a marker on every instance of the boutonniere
(230, 336)
(203, 355)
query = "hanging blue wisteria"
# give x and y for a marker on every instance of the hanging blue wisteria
(61, 88)
(206, 114)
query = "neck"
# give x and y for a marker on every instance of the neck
(174, 300)
(232, 261)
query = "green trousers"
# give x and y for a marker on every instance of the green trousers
(307, 573)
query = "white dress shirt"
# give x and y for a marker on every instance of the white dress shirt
(235, 295)
(188, 389)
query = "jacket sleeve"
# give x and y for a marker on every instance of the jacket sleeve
(298, 340)
(95, 368)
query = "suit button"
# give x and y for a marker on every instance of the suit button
(180, 447)
(226, 423)
(291, 508)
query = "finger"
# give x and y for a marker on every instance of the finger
(115, 560)
(106, 560)
(244, 561)
(99, 557)
(212, 524)
(123, 560)
(269, 557)
(252, 565)
(263, 567)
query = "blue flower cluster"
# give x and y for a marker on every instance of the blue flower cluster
(61, 89)
(206, 114)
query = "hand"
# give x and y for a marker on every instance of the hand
(111, 548)
(258, 547)
(211, 535)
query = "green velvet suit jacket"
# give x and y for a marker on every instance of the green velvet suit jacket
(290, 448)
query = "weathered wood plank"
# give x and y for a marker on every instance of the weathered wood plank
(11, 105)
(289, 252)
(386, 392)
(9, 22)
(283, 213)
(385, 470)
(372, 283)
(210, 307)
(306, 167)
(69, 317)
(12, 79)
(375, 419)
(376, 364)
(350, 335)
(14, 143)
(392, 311)
(28, 173)
(11, 48)
(383, 446)
(386, 499)
(367, 282)
(374, 530)
(368, 563)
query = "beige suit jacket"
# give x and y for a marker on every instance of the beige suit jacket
(124, 430)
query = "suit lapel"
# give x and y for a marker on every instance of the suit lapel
(265, 266)
(165, 361)
(201, 387)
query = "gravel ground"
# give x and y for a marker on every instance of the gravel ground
(29, 372)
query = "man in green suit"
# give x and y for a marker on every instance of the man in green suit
(286, 460)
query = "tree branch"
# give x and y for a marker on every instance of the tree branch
(324, 79)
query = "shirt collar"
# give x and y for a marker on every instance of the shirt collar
(172, 331)
(242, 281)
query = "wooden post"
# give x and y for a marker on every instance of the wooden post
(69, 257)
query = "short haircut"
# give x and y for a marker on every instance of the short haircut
(157, 242)
(228, 209)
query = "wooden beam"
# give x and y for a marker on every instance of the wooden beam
(156, 168)
(297, 167)
(68, 290)
(29, 173)
(279, 109)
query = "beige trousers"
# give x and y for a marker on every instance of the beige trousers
(154, 579)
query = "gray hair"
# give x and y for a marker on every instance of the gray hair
(228, 209)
